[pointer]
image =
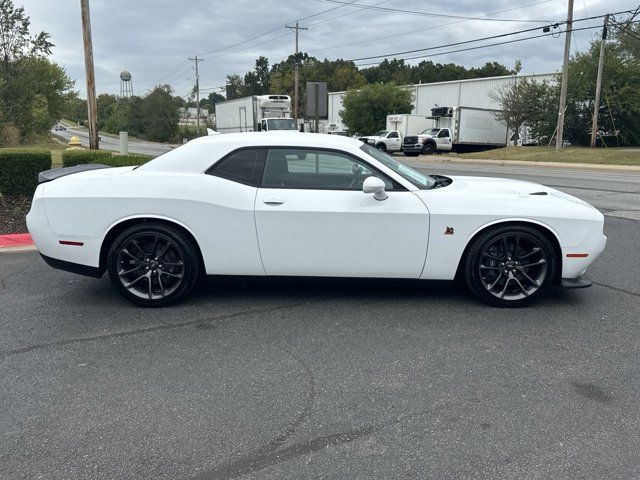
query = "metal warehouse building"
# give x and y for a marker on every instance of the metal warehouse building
(474, 92)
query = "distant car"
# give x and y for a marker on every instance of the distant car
(291, 204)
(59, 127)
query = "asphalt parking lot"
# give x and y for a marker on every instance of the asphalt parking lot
(321, 380)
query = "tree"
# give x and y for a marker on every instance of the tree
(235, 86)
(15, 40)
(257, 81)
(34, 90)
(160, 114)
(365, 110)
(528, 102)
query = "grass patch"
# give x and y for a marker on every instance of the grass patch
(604, 156)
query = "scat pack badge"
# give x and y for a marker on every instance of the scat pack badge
(448, 231)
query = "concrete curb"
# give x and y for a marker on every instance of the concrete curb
(24, 248)
(505, 163)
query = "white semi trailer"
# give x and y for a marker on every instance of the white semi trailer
(458, 129)
(255, 113)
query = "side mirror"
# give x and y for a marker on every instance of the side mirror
(259, 127)
(376, 186)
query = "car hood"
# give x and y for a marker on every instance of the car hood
(507, 194)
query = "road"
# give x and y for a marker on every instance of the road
(374, 380)
(112, 143)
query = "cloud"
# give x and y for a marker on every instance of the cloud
(153, 38)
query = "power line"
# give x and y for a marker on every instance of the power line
(347, 14)
(275, 29)
(531, 37)
(443, 25)
(431, 14)
(492, 37)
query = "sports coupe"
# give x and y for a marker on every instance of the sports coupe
(296, 204)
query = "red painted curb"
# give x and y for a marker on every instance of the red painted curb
(15, 240)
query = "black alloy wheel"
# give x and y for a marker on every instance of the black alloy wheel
(510, 266)
(153, 264)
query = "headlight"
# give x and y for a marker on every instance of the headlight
(370, 140)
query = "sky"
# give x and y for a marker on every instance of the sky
(153, 39)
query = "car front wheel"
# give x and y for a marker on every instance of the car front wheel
(510, 266)
(153, 264)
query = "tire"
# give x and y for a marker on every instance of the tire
(153, 264)
(382, 147)
(495, 270)
(428, 149)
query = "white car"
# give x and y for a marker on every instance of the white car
(293, 204)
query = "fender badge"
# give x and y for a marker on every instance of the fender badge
(448, 231)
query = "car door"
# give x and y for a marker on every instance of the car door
(444, 140)
(313, 219)
(393, 141)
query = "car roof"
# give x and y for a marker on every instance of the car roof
(200, 153)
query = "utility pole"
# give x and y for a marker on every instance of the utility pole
(596, 106)
(197, 60)
(92, 106)
(565, 76)
(295, 93)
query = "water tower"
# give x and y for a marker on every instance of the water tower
(126, 87)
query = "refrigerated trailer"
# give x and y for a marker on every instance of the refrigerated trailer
(408, 124)
(255, 113)
(458, 129)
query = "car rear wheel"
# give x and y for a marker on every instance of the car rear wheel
(510, 266)
(153, 264)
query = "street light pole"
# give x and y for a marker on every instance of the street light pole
(92, 105)
(565, 76)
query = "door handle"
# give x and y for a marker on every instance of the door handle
(274, 201)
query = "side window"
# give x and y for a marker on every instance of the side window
(393, 135)
(443, 133)
(242, 166)
(316, 169)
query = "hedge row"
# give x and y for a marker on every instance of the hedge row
(71, 158)
(19, 169)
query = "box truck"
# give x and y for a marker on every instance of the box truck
(255, 113)
(458, 129)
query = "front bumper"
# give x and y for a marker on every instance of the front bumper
(413, 147)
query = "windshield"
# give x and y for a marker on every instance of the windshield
(381, 133)
(281, 124)
(430, 131)
(418, 179)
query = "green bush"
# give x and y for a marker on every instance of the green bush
(71, 158)
(19, 168)
(127, 160)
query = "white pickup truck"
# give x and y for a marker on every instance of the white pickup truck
(384, 140)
